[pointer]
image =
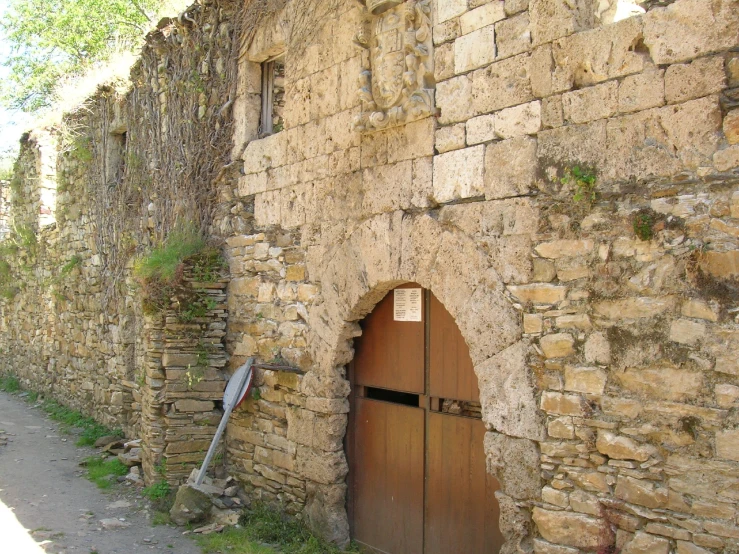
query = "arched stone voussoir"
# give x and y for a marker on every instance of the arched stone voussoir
(420, 240)
(508, 394)
(379, 244)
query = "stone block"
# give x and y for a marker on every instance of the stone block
(562, 404)
(552, 19)
(444, 62)
(688, 29)
(619, 447)
(502, 84)
(591, 103)
(561, 428)
(597, 349)
(644, 543)
(474, 50)
(265, 153)
(568, 528)
(555, 497)
(575, 144)
(586, 503)
(446, 31)
(179, 359)
(510, 167)
(642, 91)
(731, 126)
(667, 531)
(485, 15)
(699, 78)
(727, 159)
(722, 529)
(514, 462)
(557, 345)
(506, 378)
(454, 99)
(459, 174)
(635, 307)
(642, 493)
(564, 248)
(588, 380)
(666, 383)
(709, 509)
(552, 115)
(727, 445)
(686, 331)
(576, 321)
(684, 547)
(598, 55)
(188, 405)
(481, 129)
(532, 323)
(726, 395)
(544, 547)
(723, 265)
(513, 36)
(539, 293)
(448, 9)
(541, 63)
(450, 138)
(699, 309)
(518, 120)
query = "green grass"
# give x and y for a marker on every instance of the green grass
(91, 429)
(100, 470)
(157, 491)
(231, 540)
(160, 518)
(164, 262)
(266, 530)
(10, 384)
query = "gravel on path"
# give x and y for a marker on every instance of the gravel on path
(47, 505)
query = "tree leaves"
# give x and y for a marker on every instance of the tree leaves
(54, 38)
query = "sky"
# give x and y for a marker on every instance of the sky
(13, 123)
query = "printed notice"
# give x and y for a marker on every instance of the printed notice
(407, 304)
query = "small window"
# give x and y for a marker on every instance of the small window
(115, 162)
(273, 96)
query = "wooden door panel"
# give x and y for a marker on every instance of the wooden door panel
(390, 354)
(388, 476)
(451, 374)
(461, 509)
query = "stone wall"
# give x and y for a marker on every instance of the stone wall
(562, 175)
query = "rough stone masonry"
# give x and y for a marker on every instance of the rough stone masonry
(563, 175)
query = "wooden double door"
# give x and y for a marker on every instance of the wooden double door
(417, 481)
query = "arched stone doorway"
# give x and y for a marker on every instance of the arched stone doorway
(417, 477)
(382, 253)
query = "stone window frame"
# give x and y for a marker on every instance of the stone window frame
(266, 121)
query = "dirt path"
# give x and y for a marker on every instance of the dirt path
(45, 496)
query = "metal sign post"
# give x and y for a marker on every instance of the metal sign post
(236, 390)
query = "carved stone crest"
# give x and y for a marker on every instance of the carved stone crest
(397, 80)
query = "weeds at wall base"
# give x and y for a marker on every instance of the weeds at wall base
(90, 429)
(103, 471)
(263, 529)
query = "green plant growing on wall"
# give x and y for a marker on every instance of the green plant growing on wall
(7, 288)
(644, 224)
(583, 181)
(161, 273)
(25, 237)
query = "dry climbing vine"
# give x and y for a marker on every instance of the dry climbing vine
(178, 127)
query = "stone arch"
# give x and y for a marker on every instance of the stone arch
(386, 251)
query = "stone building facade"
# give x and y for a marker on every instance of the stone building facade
(562, 176)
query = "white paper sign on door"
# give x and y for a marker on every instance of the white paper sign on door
(407, 304)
